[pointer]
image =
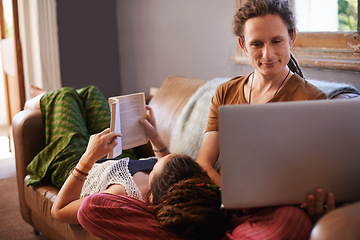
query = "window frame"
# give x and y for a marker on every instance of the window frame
(325, 50)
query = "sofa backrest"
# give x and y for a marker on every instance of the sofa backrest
(169, 101)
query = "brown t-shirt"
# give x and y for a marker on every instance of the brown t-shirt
(232, 92)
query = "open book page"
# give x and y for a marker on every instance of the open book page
(115, 118)
(126, 111)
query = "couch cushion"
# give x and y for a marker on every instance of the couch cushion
(111, 216)
(40, 199)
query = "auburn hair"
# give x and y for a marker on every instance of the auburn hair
(187, 202)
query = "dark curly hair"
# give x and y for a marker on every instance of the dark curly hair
(258, 8)
(186, 201)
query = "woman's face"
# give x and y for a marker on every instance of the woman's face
(159, 167)
(267, 43)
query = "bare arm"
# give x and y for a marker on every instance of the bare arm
(208, 155)
(68, 199)
(157, 143)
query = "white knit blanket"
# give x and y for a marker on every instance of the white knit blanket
(190, 127)
(189, 130)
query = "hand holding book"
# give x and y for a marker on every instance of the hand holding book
(150, 126)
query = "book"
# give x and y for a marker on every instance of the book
(126, 111)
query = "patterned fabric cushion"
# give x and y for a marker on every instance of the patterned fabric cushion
(274, 223)
(110, 216)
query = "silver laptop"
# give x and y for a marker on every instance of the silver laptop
(277, 153)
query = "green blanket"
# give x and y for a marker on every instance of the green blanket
(70, 116)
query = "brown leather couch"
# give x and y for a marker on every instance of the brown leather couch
(28, 136)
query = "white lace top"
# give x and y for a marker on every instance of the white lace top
(107, 173)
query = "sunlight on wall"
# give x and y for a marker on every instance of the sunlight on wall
(3, 112)
(4, 148)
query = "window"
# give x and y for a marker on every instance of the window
(330, 41)
(11, 73)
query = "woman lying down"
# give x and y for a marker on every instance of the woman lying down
(168, 196)
(177, 189)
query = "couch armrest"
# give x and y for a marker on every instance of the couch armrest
(342, 223)
(29, 140)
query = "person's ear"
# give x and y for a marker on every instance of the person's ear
(242, 44)
(293, 37)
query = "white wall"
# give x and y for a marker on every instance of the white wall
(191, 38)
(158, 38)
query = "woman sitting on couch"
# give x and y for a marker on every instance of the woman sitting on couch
(266, 31)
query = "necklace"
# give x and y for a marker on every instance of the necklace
(252, 81)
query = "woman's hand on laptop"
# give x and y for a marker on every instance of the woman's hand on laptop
(316, 206)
